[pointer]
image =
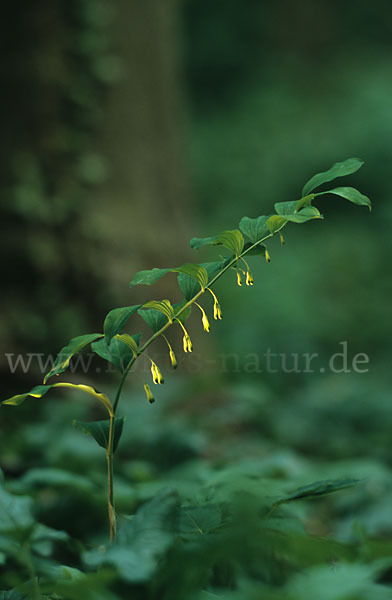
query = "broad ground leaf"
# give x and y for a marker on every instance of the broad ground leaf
(200, 520)
(14, 594)
(319, 488)
(53, 478)
(15, 512)
(64, 356)
(351, 194)
(116, 320)
(141, 540)
(100, 431)
(339, 169)
(343, 581)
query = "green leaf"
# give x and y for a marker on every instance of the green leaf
(14, 594)
(345, 581)
(255, 229)
(148, 277)
(53, 478)
(162, 306)
(142, 540)
(275, 223)
(128, 341)
(37, 392)
(197, 243)
(117, 353)
(196, 272)
(189, 286)
(15, 512)
(351, 194)
(120, 353)
(319, 488)
(339, 169)
(200, 520)
(290, 212)
(232, 240)
(116, 320)
(305, 214)
(100, 430)
(40, 391)
(154, 318)
(64, 356)
(304, 201)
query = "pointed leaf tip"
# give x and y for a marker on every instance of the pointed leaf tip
(339, 169)
(63, 358)
(351, 194)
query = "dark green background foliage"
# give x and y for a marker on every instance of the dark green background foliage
(127, 129)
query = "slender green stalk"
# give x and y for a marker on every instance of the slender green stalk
(109, 450)
(109, 456)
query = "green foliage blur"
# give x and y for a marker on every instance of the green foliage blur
(124, 126)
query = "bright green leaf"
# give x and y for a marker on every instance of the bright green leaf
(232, 240)
(305, 201)
(64, 356)
(288, 210)
(339, 169)
(100, 431)
(275, 223)
(128, 341)
(162, 306)
(195, 271)
(305, 214)
(351, 194)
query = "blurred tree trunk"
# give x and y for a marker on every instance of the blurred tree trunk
(142, 211)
